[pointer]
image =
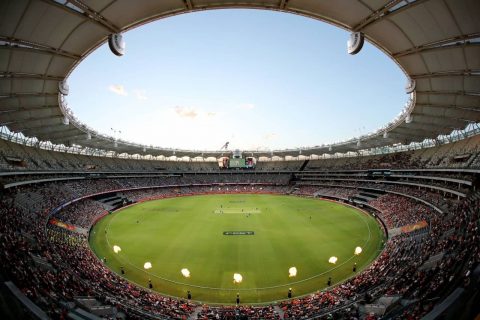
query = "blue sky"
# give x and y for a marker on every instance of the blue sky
(259, 79)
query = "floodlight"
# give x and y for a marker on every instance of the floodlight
(116, 44)
(410, 86)
(355, 42)
(63, 87)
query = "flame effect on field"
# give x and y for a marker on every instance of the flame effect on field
(292, 272)
(147, 265)
(116, 249)
(237, 278)
(358, 250)
(333, 260)
(185, 272)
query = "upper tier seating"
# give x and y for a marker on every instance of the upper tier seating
(461, 154)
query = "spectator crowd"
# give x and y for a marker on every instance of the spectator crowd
(52, 265)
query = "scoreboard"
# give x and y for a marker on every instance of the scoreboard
(237, 163)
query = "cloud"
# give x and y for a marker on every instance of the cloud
(247, 106)
(211, 114)
(118, 89)
(186, 112)
(140, 94)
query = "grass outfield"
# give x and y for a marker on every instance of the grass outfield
(187, 232)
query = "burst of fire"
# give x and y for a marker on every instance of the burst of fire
(185, 272)
(116, 249)
(333, 260)
(237, 278)
(358, 250)
(147, 265)
(292, 272)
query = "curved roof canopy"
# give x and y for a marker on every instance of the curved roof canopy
(435, 42)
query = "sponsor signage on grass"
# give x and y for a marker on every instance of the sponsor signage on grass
(238, 233)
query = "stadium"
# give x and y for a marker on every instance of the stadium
(382, 225)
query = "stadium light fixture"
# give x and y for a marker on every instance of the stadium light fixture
(63, 87)
(355, 43)
(116, 44)
(410, 86)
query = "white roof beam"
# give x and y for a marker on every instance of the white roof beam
(28, 45)
(461, 40)
(383, 12)
(19, 75)
(457, 93)
(88, 14)
(451, 73)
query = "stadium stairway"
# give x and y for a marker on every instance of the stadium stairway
(279, 311)
(381, 305)
(362, 198)
(194, 314)
(366, 196)
(305, 163)
(370, 194)
(112, 201)
(28, 201)
(90, 308)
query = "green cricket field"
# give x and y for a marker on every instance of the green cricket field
(272, 242)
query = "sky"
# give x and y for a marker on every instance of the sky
(260, 80)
